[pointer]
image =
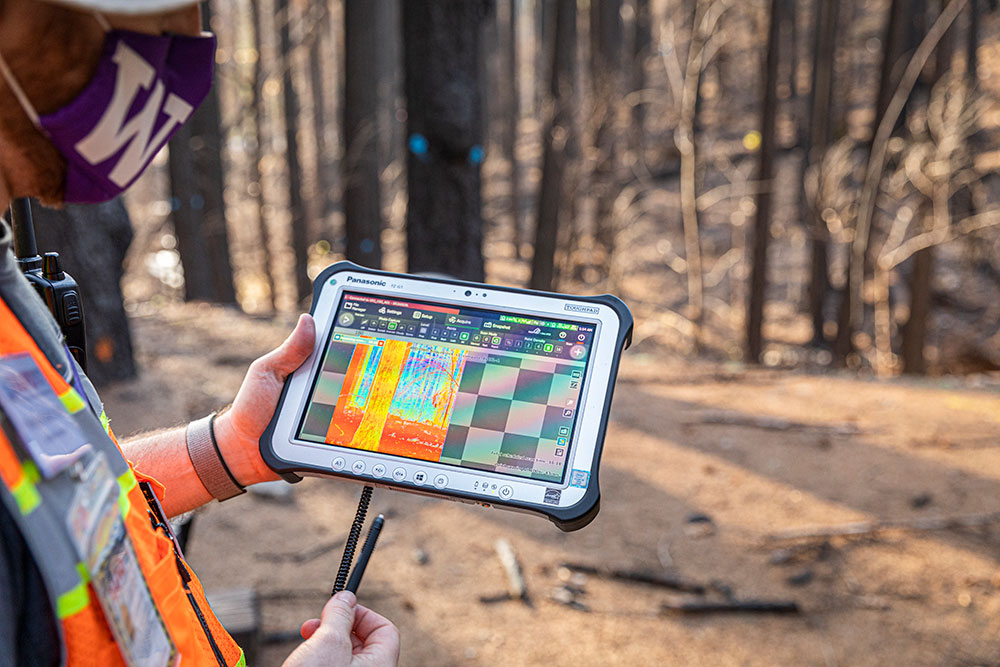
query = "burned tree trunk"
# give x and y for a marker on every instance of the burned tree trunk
(360, 164)
(606, 39)
(444, 125)
(559, 137)
(512, 114)
(821, 93)
(765, 174)
(290, 102)
(642, 41)
(260, 146)
(199, 208)
(323, 182)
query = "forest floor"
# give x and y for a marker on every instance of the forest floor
(744, 452)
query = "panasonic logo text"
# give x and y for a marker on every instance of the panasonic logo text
(366, 281)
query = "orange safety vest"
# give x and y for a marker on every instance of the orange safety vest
(40, 511)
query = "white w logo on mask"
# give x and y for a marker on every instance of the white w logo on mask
(112, 132)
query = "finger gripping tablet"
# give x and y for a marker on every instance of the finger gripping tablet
(491, 395)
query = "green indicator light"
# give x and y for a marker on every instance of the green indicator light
(333, 281)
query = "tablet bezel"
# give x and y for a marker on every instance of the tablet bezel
(571, 504)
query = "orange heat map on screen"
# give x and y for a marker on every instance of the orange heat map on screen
(397, 398)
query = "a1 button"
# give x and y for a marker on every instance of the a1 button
(506, 492)
(440, 481)
(339, 463)
(358, 467)
(378, 470)
(399, 474)
(420, 477)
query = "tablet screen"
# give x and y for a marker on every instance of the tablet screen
(467, 387)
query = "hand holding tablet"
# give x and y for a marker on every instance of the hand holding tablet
(482, 394)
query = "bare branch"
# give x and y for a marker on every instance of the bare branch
(880, 144)
(939, 235)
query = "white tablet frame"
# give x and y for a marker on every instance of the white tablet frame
(468, 485)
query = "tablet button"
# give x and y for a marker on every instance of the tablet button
(440, 481)
(339, 463)
(378, 470)
(506, 492)
(358, 467)
(399, 474)
(420, 477)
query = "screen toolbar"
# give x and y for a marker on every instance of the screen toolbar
(362, 316)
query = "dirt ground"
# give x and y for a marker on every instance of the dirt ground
(755, 451)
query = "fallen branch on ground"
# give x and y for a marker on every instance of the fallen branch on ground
(517, 588)
(638, 576)
(770, 423)
(730, 606)
(301, 556)
(867, 528)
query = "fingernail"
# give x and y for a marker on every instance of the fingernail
(348, 597)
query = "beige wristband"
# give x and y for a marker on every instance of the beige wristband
(208, 462)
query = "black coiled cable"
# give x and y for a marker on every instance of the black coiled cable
(352, 540)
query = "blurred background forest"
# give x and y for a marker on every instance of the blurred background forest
(799, 200)
(801, 183)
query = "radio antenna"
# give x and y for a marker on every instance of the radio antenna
(25, 248)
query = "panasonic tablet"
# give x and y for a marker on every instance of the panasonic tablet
(484, 394)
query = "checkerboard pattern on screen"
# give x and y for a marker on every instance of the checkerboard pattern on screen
(514, 415)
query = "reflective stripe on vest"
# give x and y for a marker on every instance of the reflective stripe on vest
(40, 508)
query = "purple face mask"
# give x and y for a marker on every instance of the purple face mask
(143, 90)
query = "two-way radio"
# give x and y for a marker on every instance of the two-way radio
(56, 287)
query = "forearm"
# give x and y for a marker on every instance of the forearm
(163, 455)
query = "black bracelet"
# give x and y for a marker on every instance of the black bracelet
(222, 460)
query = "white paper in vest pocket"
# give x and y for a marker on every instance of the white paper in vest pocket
(484, 394)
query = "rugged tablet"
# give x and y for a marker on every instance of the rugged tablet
(483, 394)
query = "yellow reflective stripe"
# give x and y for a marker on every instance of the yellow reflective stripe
(26, 495)
(72, 601)
(81, 569)
(24, 492)
(105, 422)
(126, 482)
(31, 471)
(243, 660)
(72, 401)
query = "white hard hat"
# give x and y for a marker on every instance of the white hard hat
(126, 6)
